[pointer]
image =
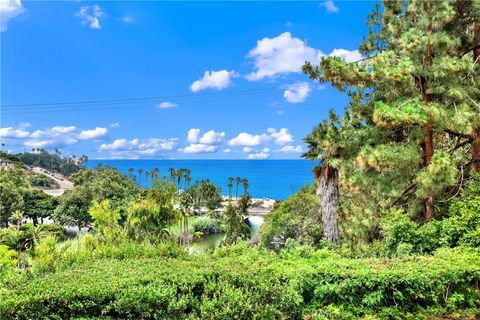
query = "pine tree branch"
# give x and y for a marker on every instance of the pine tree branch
(405, 192)
(459, 145)
(471, 49)
(457, 134)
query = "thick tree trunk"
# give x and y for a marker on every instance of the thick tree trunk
(327, 189)
(428, 149)
(476, 131)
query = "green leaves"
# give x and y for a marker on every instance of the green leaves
(439, 174)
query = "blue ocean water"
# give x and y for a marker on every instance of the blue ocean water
(276, 179)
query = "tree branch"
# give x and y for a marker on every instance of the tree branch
(459, 145)
(457, 134)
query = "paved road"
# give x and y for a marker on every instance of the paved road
(64, 184)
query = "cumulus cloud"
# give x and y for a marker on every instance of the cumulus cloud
(9, 9)
(90, 15)
(115, 125)
(282, 54)
(10, 132)
(214, 79)
(57, 136)
(96, 133)
(264, 154)
(227, 150)
(349, 56)
(192, 135)
(248, 140)
(138, 148)
(212, 137)
(286, 54)
(166, 105)
(247, 149)
(292, 149)
(127, 19)
(199, 148)
(329, 6)
(297, 92)
(208, 142)
(281, 137)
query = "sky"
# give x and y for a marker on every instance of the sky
(170, 80)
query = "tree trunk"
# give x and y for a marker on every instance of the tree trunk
(476, 131)
(327, 189)
(428, 149)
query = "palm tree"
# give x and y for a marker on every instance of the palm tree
(245, 186)
(3, 145)
(140, 171)
(131, 172)
(172, 173)
(146, 178)
(230, 187)
(237, 180)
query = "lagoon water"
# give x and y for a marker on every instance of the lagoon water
(275, 179)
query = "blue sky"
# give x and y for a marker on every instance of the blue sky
(214, 80)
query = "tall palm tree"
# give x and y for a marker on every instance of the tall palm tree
(3, 145)
(245, 186)
(230, 187)
(172, 173)
(140, 171)
(146, 178)
(237, 180)
(131, 172)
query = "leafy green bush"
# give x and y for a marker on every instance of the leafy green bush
(39, 180)
(7, 259)
(297, 218)
(206, 225)
(238, 282)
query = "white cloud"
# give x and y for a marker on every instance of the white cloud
(248, 140)
(10, 132)
(91, 15)
(227, 150)
(247, 149)
(212, 137)
(127, 19)
(57, 136)
(280, 112)
(281, 137)
(282, 54)
(214, 79)
(330, 6)
(96, 133)
(349, 56)
(137, 148)
(264, 154)
(297, 92)
(166, 105)
(192, 135)
(208, 142)
(9, 9)
(292, 149)
(286, 54)
(115, 125)
(199, 148)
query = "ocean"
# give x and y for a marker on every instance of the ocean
(275, 179)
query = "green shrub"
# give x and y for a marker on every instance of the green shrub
(206, 225)
(7, 259)
(239, 282)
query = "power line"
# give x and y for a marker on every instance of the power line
(109, 101)
(124, 105)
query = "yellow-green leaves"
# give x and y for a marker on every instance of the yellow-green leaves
(440, 174)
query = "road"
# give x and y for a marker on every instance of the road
(64, 184)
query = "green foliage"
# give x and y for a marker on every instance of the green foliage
(13, 185)
(73, 207)
(236, 227)
(8, 259)
(206, 225)
(38, 205)
(53, 162)
(242, 283)
(440, 173)
(106, 220)
(39, 180)
(297, 218)
(203, 194)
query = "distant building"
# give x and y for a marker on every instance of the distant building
(6, 164)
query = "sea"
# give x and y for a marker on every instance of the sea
(274, 179)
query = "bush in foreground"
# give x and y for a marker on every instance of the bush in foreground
(242, 283)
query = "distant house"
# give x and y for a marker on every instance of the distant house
(6, 164)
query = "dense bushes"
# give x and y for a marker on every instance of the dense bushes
(298, 218)
(206, 225)
(241, 283)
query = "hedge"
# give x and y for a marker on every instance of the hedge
(243, 283)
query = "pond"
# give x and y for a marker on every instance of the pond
(212, 241)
